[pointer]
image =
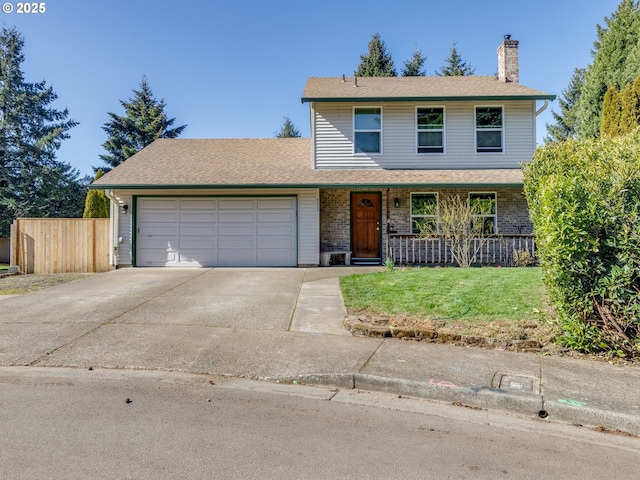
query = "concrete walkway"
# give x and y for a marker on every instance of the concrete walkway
(286, 325)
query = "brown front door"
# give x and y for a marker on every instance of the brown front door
(365, 218)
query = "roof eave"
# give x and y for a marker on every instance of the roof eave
(429, 99)
(310, 185)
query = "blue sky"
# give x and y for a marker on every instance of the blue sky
(234, 69)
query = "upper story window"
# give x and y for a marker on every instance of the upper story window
(483, 209)
(424, 213)
(430, 123)
(367, 130)
(489, 129)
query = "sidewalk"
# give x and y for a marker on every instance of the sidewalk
(160, 328)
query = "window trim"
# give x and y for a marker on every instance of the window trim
(476, 129)
(356, 130)
(493, 215)
(443, 130)
(412, 216)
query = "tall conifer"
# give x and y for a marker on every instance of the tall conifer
(33, 183)
(144, 121)
(376, 62)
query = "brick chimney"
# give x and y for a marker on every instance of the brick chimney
(508, 60)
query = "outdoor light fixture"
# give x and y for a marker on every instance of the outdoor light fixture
(396, 202)
(125, 207)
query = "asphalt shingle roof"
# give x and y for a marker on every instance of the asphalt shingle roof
(273, 163)
(332, 89)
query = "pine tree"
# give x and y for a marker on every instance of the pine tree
(288, 130)
(96, 204)
(614, 64)
(143, 122)
(566, 120)
(455, 66)
(377, 62)
(33, 183)
(414, 67)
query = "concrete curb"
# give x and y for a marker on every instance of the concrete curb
(523, 404)
(593, 417)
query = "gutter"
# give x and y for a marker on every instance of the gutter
(449, 98)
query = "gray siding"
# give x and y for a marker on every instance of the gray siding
(333, 137)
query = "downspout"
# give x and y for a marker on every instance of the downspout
(114, 222)
(542, 108)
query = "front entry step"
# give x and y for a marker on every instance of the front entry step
(366, 261)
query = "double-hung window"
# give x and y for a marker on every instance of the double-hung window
(489, 129)
(430, 123)
(424, 213)
(367, 130)
(483, 209)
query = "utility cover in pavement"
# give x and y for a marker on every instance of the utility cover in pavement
(521, 383)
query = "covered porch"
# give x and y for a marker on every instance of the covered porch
(502, 250)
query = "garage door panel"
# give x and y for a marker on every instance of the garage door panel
(274, 258)
(237, 216)
(203, 242)
(275, 243)
(283, 203)
(198, 217)
(157, 258)
(276, 229)
(199, 230)
(275, 216)
(258, 231)
(165, 230)
(229, 230)
(237, 204)
(232, 258)
(166, 243)
(156, 216)
(198, 204)
(236, 243)
(159, 203)
(198, 258)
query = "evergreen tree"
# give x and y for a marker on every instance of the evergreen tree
(630, 107)
(143, 122)
(414, 67)
(377, 62)
(615, 55)
(96, 204)
(288, 130)
(621, 110)
(565, 126)
(611, 113)
(455, 66)
(33, 183)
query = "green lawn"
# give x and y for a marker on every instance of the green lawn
(3, 266)
(465, 294)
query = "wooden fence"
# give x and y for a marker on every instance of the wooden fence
(60, 245)
(499, 250)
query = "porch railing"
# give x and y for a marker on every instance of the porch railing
(498, 250)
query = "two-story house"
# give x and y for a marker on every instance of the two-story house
(383, 153)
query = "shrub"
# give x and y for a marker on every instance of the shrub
(522, 258)
(584, 200)
(96, 204)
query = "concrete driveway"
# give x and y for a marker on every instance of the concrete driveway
(155, 314)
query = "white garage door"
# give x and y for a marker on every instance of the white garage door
(208, 232)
